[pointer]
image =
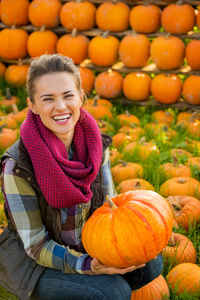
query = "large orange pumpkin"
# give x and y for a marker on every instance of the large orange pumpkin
(103, 50)
(126, 170)
(44, 12)
(145, 18)
(134, 50)
(192, 54)
(175, 169)
(136, 86)
(41, 42)
(178, 18)
(184, 278)
(155, 290)
(13, 43)
(14, 12)
(134, 184)
(167, 52)
(180, 186)
(113, 16)
(73, 45)
(78, 14)
(141, 220)
(16, 74)
(166, 88)
(191, 89)
(178, 250)
(109, 84)
(186, 210)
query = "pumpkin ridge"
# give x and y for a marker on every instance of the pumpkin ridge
(158, 212)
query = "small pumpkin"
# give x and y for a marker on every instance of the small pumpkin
(113, 16)
(184, 278)
(155, 290)
(87, 79)
(194, 161)
(126, 170)
(7, 137)
(16, 74)
(14, 12)
(121, 139)
(192, 54)
(141, 220)
(108, 84)
(186, 210)
(73, 45)
(115, 156)
(142, 148)
(127, 118)
(191, 89)
(179, 249)
(180, 186)
(99, 111)
(134, 184)
(178, 153)
(175, 169)
(162, 116)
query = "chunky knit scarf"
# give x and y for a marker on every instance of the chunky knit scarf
(63, 182)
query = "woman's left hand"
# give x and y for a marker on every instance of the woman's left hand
(98, 268)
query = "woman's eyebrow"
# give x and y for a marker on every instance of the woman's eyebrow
(51, 95)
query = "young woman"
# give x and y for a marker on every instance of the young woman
(53, 178)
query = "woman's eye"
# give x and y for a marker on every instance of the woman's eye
(48, 99)
(68, 96)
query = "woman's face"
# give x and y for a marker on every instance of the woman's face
(57, 102)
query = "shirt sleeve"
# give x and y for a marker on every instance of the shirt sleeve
(23, 208)
(108, 184)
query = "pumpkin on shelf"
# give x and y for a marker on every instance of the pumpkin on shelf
(2, 69)
(126, 170)
(96, 101)
(13, 43)
(127, 118)
(145, 18)
(179, 249)
(78, 14)
(134, 50)
(108, 84)
(180, 186)
(175, 169)
(98, 111)
(16, 74)
(166, 88)
(113, 16)
(192, 54)
(73, 45)
(14, 12)
(155, 290)
(178, 18)
(44, 12)
(134, 184)
(186, 210)
(191, 89)
(103, 50)
(142, 221)
(184, 278)
(167, 52)
(136, 86)
(87, 79)
(41, 41)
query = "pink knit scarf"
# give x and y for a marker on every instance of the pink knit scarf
(63, 182)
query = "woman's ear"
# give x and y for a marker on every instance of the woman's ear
(31, 105)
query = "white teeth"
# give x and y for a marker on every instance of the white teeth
(64, 117)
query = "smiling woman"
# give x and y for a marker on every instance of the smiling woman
(53, 178)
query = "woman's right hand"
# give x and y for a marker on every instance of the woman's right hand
(98, 268)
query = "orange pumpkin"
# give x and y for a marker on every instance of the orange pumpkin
(180, 186)
(166, 88)
(179, 250)
(167, 52)
(155, 290)
(184, 115)
(44, 12)
(192, 54)
(77, 14)
(99, 111)
(7, 137)
(194, 161)
(104, 126)
(115, 156)
(73, 45)
(175, 169)
(87, 79)
(134, 50)
(103, 50)
(132, 128)
(9, 99)
(134, 184)
(126, 170)
(16, 74)
(14, 12)
(2, 69)
(13, 43)
(184, 278)
(109, 84)
(127, 118)
(136, 86)
(178, 153)
(162, 116)
(142, 148)
(96, 102)
(142, 221)
(198, 18)
(186, 210)
(191, 89)
(178, 18)
(113, 16)
(41, 42)
(154, 129)
(145, 18)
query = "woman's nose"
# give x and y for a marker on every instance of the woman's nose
(60, 104)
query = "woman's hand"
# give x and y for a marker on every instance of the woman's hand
(99, 268)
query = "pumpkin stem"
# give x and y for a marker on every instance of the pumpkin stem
(110, 202)
(142, 140)
(127, 113)
(8, 94)
(175, 161)
(105, 33)
(134, 33)
(74, 32)
(179, 2)
(2, 127)
(42, 28)
(19, 62)
(137, 185)
(146, 3)
(167, 35)
(124, 163)
(96, 98)
(172, 241)
(195, 116)
(181, 180)
(114, 1)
